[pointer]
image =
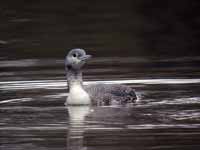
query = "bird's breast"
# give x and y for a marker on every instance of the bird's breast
(78, 96)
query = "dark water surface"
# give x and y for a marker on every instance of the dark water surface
(166, 116)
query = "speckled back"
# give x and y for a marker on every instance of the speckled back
(114, 94)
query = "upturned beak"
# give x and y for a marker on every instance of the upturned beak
(85, 57)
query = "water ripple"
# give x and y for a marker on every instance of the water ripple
(60, 84)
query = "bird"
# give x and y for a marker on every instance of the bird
(94, 94)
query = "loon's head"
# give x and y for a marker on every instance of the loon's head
(75, 59)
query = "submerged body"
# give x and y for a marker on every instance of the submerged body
(96, 94)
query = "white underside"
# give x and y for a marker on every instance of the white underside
(78, 96)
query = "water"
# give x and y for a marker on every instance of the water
(152, 46)
(166, 115)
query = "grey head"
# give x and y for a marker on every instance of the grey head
(75, 59)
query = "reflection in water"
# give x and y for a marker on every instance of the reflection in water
(76, 127)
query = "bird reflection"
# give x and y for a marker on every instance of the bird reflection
(76, 127)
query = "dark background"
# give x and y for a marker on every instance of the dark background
(49, 28)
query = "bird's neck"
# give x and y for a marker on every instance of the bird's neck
(74, 77)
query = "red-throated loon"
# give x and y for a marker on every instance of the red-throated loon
(97, 94)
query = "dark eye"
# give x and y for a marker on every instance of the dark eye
(74, 55)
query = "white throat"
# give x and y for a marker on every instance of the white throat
(77, 95)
